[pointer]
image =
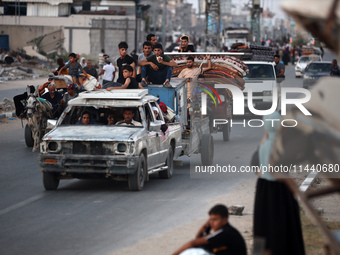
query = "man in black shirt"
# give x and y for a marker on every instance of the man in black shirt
(335, 71)
(124, 60)
(90, 69)
(225, 240)
(130, 82)
(54, 97)
(279, 68)
(185, 47)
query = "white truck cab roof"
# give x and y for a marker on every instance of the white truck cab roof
(114, 98)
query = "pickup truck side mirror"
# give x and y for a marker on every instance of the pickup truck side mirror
(154, 126)
(51, 124)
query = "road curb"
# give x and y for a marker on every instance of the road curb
(308, 182)
(7, 115)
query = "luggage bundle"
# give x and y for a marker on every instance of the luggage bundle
(254, 52)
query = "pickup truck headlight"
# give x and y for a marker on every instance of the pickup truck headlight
(121, 147)
(53, 147)
(298, 68)
(268, 93)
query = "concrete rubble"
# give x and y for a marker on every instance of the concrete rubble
(7, 109)
(17, 73)
(236, 210)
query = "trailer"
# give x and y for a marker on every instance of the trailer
(227, 68)
(196, 136)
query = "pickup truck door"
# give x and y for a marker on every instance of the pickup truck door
(154, 141)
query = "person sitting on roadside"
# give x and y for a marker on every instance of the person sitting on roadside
(194, 72)
(90, 69)
(74, 68)
(70, 94)
(54, 97)
(128, 118)
(158, 67)
(111, 119)
(61, 64)
(184, 46)
(130, 82)
(216, 236)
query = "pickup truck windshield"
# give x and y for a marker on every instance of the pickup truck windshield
(88, 115)
(319, 67)
(260, 72)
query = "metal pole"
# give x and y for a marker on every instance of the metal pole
(163, 24)
(219, 26)
(206, 26)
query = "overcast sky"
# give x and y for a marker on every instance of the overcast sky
(273, 5)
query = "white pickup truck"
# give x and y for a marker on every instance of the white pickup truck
(118, 152)
(261, 79)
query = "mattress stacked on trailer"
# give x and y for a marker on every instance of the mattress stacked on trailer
(225, 69)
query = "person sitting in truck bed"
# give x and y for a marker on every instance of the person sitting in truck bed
(128, 118)
(130, 82)
(158, 67)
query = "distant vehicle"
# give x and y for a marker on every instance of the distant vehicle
(262, 80)
(302, 63)
(235, 35)
(314, 71)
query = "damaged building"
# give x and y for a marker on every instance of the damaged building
(84, 27)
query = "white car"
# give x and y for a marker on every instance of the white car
(261, 79)
(303, 62)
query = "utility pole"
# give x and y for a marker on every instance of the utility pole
(163, 24)
(212, 24)
(256, 11)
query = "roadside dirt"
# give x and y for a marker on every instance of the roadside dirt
(168, 242)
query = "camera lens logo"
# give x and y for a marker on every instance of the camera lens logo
(204, 97)
(239, 100)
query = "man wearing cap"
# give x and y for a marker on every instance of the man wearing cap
(184, 46)
(70, 94)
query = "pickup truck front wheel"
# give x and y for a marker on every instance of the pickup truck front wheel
(167, 174)
(136, 180)
(50, 180)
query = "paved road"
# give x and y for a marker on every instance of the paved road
(97, 217)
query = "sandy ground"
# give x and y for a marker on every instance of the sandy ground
(168, 242)
(330, 203)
